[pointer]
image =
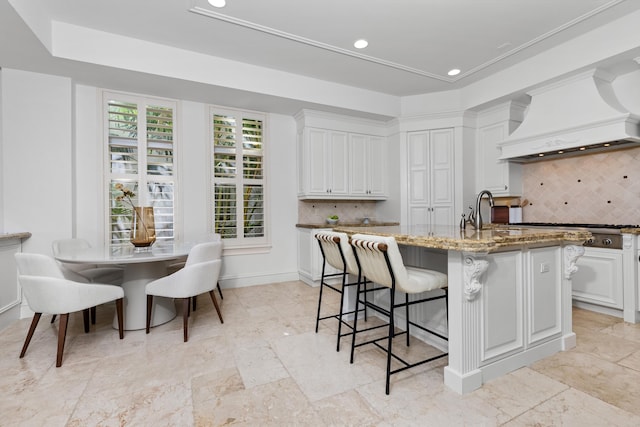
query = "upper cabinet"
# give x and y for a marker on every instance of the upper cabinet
(367, 166)
(501, 177)
(430, 167)
(326, 160)
(336, 163)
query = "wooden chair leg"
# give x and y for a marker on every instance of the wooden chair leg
(62, 335)
(53, 318)
(185, 318)
(85, 318)
(32, 329)
(93, 315)
(215, 303)
(149, 307)
(195, 300)
(220, 290)
(119, 313)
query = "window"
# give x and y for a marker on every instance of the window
(141, 155)
(238, 177)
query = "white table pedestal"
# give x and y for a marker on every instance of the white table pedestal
(136, 277)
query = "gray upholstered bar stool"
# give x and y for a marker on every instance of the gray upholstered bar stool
(380, 261)
(337, 253)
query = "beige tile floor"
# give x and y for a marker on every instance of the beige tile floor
(266, 367)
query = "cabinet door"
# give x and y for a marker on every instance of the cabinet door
(430, 168)
(358, 152)
(498, 176)
(316, 143)
(377, 167)
(441, 155)
(367, 174)
(599, 278)
(310, 258)
(419, 179)
(338, 164)
(10, 294)
(544, 295)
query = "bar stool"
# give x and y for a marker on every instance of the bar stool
(337, 253)
(379, 259)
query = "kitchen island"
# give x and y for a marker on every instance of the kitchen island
(509, 293)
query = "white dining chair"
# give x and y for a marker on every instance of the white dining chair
(48, 291)
(199, 275)
(380, 261)
(177, 265)
(87, 273)
(91, 273)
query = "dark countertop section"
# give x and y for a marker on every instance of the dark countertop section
(346, 224)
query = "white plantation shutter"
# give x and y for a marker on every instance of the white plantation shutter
(238, 176)
(141, 152)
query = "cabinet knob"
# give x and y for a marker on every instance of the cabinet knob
(506, 186)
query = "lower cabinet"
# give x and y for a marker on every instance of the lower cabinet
(599, 279)
(310, 257)
(521, 302)
(10, 295)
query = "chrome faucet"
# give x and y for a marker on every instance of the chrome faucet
(478, 217)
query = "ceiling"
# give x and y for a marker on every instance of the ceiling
(412, 43)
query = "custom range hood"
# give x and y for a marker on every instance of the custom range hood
(575, 116)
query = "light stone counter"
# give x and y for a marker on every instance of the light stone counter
(469, 240)
(15, 235)
(509, 294)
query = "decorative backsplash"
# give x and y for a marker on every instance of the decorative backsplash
(313, 212)
(601, 188)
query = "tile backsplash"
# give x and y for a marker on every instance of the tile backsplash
(602, 188)
(313, 212)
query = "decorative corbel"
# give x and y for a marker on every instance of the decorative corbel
(473, 269)
(571, 255)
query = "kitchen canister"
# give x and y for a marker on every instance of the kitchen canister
(515, 215)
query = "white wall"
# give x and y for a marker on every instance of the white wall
(84, 215)
(37, 167)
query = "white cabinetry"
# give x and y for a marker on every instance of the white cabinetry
(501, 177)
(599, 279)
(341, 165)
(325, 160)
(341, 157)
(430, 169)
(10, 295)
(310, 257)
(367, 172)
(521, 302)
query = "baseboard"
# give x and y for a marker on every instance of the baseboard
(258, 279)
(598, 308)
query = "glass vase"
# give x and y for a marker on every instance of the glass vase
(143, 229)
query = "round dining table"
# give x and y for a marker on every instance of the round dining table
(140, 267)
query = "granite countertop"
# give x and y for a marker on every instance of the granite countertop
(486, 240)
(630, 230)
(346, 224)
(15, 235)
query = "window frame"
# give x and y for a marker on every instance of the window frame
(243, 245)
(108, 176)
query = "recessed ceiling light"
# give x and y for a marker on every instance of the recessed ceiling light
(583, 148)
(541, 155)
(217, 3)
(454, 72)
(361, 44)
(607, 145)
